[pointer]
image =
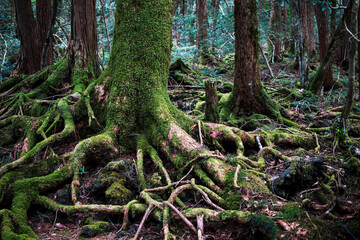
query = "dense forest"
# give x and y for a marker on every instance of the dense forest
(179, 119)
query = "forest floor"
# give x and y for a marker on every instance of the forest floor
(320, 203)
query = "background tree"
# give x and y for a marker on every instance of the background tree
(248, 95)
(202, 26)
(29, 37)
(324, 39)
(331, 53)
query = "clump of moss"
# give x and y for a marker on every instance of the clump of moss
(291, 210)
(95, 229)
(118, 194)
(352, 165)
(265, 225)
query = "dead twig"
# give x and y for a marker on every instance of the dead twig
(146, 215)
(200, 225)
(187, 222)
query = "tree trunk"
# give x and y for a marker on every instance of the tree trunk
(212, 103)
(277, 29)
(47, 51)
(353, 27)
(201, 26)
(358, 48)
(310, 28)
(331, 53)
(248, 95)
(43, 19)
(215, 13)
(83, 48)
(301, 37)
(324, 40)
(84, 33)
(28, 35)
(286, 29)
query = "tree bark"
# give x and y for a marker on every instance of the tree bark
(43, 19)
(212, 102)
(331, 53)
(353, 27)
(310, 28)
(300, 32)
(324, 40)
(248, 95)
(201, 25)
(84, 42)
(47, 51)
(277, 29)
(28, 35)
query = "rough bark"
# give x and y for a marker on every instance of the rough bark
(212, 102)
(84, 33)
(277, 29)
(352, 26)
(43, 19)
(28, 35)
(201, 25)
(310, 28)
(248, 95)
(324, 40)
(331, 53)
(300, 32)
(47, 51)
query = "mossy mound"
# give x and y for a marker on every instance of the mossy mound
(117, 194)
(95, 229)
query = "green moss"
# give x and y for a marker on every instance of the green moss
(265, 225)
(292, 210)
(95, 229)
(118, 194)
(352, 165)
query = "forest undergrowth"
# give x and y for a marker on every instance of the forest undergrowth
(286, 180)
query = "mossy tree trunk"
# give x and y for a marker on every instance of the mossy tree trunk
(331, 53)
(29, 37)
(83, 47)
(248, 95)
(324, 40)
(353, 26)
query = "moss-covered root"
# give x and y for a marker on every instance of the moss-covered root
(9, 225)
(257, 222)
(69, 127)
(91, 146)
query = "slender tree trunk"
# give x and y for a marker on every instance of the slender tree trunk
(43, 19)
(248, 95)
(47, 51)
(324, 40)
(333, 21)
(331, 53)
(215, 13)
(358, 53)
(285, 28)
(201, 25)
(310, 28)
(84, 42)
(277, 29)
(28, 35)
(353, 27)
(300, 41)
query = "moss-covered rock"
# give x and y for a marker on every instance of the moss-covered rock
(95, 229)
(352, 165)
(117, 194)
